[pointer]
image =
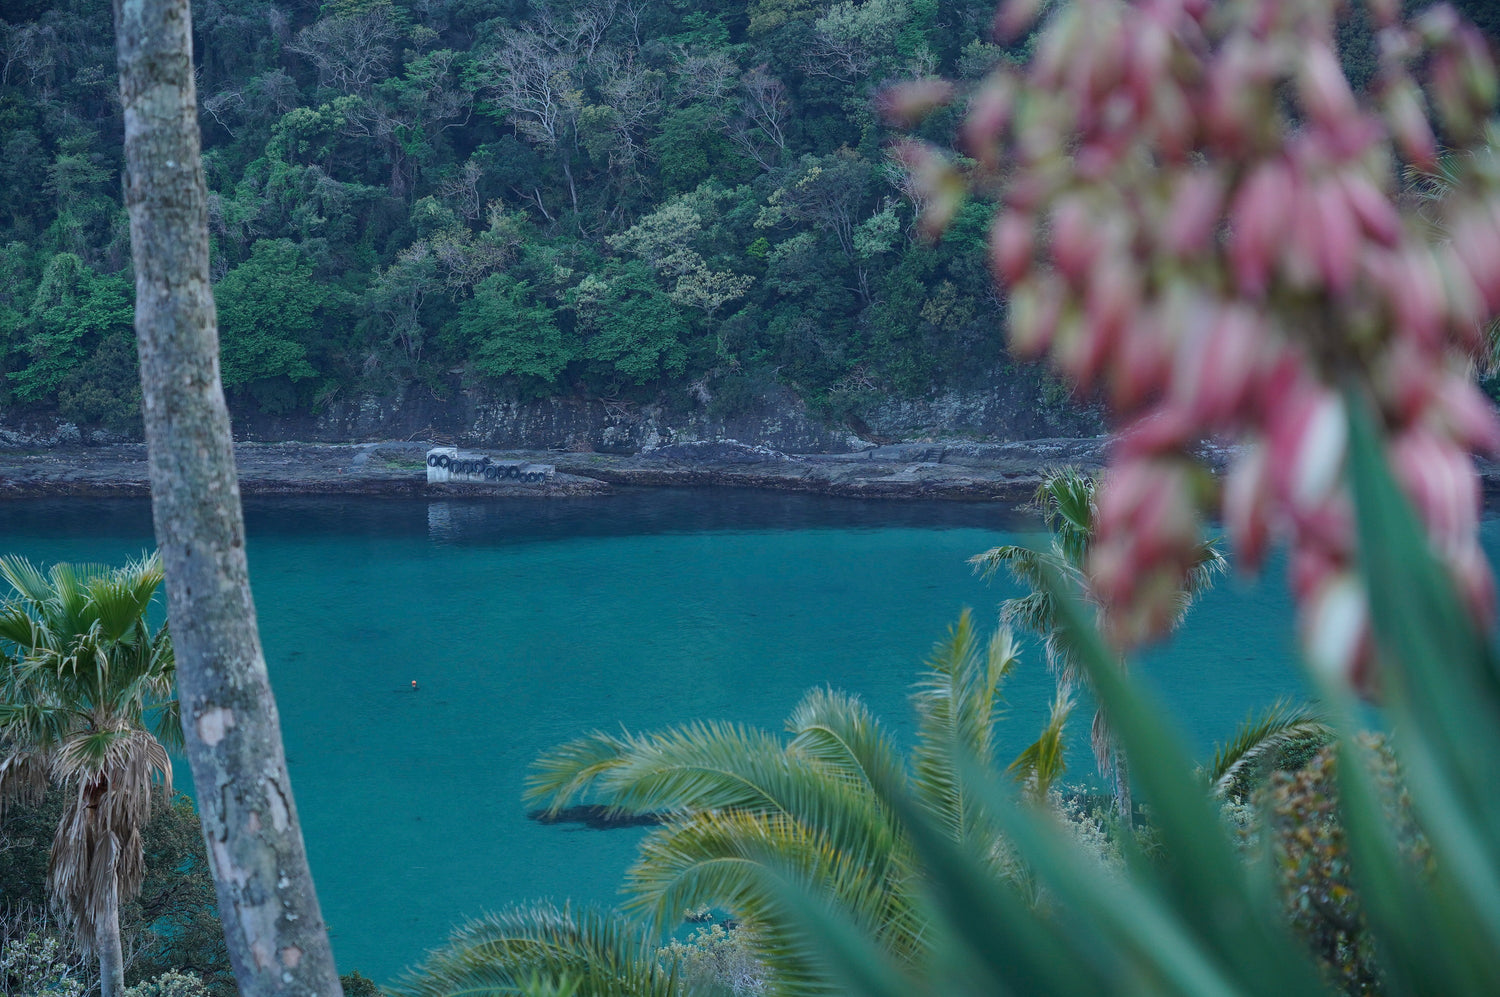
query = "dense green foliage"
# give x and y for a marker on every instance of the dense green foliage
(678, 201)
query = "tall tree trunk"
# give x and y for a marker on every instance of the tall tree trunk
(1124, 804)
(275, 933)
(107, 934)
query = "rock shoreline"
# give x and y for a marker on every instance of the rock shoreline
(952, 471)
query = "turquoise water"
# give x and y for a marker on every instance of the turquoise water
(527, 623)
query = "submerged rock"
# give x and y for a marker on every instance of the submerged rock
(595, 817)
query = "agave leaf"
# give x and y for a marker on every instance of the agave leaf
(1200, 876)
(1440, 679)
(1124, 913)
(990, 937)
(822, 935)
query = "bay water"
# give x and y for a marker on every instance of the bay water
(529, 622)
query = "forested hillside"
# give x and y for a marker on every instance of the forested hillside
(686, 202)
(637, 199)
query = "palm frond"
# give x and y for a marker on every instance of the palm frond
(26, 579)
(1259, 739)
(957, 701)
(837, 731)
(727, 859)
(1021, 561)
(1044, 762)
(570, 770)
(698, 766)
(536, 947)
(1065, 498)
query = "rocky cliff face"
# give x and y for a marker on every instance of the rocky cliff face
(1021, 406)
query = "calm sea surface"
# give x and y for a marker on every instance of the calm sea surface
(527, 623)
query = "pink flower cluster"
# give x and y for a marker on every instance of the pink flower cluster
(1201, 222)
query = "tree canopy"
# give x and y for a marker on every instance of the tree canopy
(375, 165)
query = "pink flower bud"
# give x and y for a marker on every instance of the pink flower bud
(906, 105)
(1406, 382)
(1335, 236)
(1102, 72)
(1384, 12)
(1437, 24)
(1324, 91)
(1033, 311)
(1142, 363)
(1476, 583)
(1257, 218)
(1408, 123)
(1079, 347)
(1451, 95)
(1015, 18)
(1172, 122)
(1466, 415)
(1478, 69)
(1057, 47)
(1307, 439)
(1198, 10)
(1283, 377)
(1194, 212)
(1311, 566)
(933, 174)
(1075, 243)
(1146, 542)
(1150, 48)
(1441, 483)
(1216, 368)
(1467, 313)
(1376, 214)
(1417, 297)
(1164, 430)
(1011, 243)
(1301, 245)
(1328, 526)
(989, 112)
(1476, 245)
(1113, 295)
(1336, 633)
(1247, 507)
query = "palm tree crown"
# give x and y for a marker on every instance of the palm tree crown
(743, 802)
(86, 705)
(1065, 499)
(746, 809)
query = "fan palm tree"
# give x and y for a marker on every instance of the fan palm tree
(1065, 499)
(86, 706)
(745, 806)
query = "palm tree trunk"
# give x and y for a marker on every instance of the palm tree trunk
(107, 936)
(1122, 789)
